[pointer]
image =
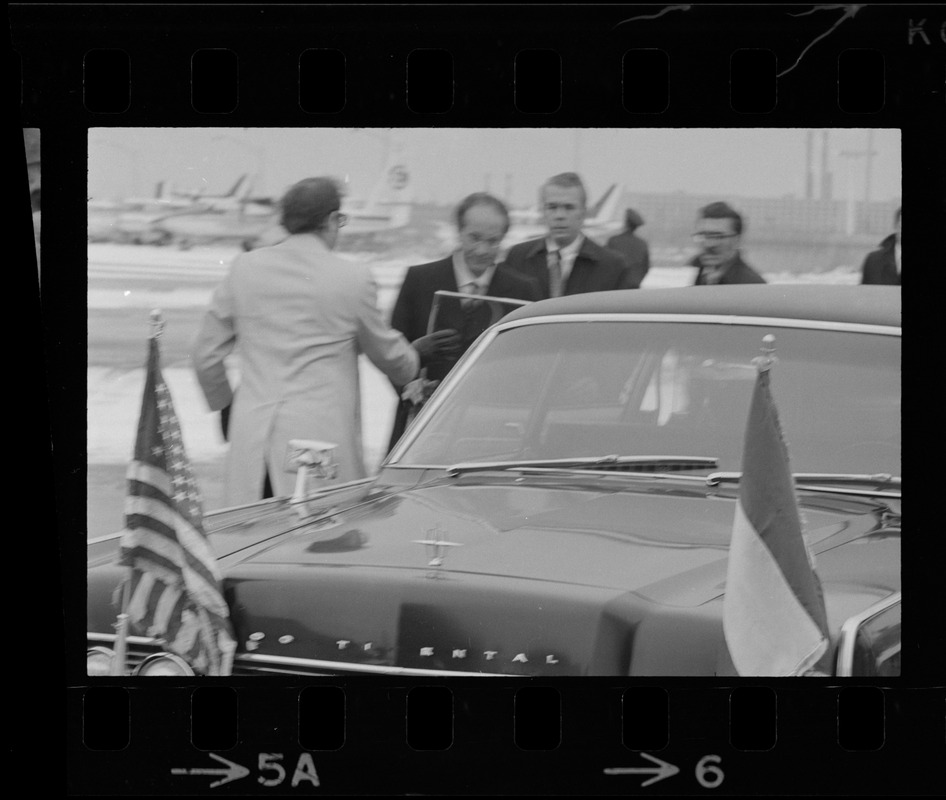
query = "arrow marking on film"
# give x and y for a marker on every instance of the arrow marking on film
(232, 772)
(661, 771)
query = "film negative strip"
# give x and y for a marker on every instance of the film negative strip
(553, 622)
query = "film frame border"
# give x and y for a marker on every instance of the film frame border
(53, 103)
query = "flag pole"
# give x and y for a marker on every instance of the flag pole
(121, 631)
(121, 625)
(765, 362)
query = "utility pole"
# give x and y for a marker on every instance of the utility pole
(825, 175)
(867, 170)
(866, 155)
(809, 173)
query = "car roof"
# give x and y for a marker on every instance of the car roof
(868, 305)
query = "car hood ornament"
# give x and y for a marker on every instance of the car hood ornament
(437, 546)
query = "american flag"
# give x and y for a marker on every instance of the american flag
(174, 590)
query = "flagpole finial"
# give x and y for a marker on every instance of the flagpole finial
(764, 362)
(157, 323)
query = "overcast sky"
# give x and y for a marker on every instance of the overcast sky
(448, 163)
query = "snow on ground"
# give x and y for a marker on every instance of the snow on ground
(114, 401)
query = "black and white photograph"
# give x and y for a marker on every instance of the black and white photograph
(462, 399)
(457, 402)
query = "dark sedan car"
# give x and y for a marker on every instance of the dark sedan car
(563, 504)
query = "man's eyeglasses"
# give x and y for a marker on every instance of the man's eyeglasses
(711, 236)
(341, 219)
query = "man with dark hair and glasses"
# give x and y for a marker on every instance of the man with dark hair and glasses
(718, 234)
(299, 317)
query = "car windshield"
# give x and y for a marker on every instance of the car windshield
(569, 389)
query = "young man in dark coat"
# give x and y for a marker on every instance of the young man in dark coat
(718, 233)
(634, 249)
(883, 265)
(482, 222)
(565, 261)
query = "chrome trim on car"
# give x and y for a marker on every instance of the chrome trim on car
(804, 487)
(186, 668)
(244, 659)
(371, 669)
(712, 319)
(717, 478)
(111, 637)
(848, 637)
(463, 365)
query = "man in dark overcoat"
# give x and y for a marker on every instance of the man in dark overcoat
(634, 249)
(883, 264)
(565, 261)
(719, 229)
(482, 221)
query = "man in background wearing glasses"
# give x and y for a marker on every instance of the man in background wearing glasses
(718, 234)
(299, 316)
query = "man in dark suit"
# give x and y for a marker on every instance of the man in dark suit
(482, 222)
(634, 249)
(718, 233)
(565, 261)
(883, 265)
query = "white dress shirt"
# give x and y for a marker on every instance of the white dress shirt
(467, 282)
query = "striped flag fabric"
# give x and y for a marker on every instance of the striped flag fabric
(773, 612)
(174, 589)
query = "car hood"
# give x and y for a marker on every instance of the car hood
(552, 530)
(554, 575)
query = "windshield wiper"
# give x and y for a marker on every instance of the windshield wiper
(623, 463)
(887, 485)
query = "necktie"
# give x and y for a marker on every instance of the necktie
(555, 274)
(473, 289)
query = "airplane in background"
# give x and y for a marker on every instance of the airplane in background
(239, 193)
(127, 219)
(387, 208)
(255, 223)
(602, 219)
(135, 219)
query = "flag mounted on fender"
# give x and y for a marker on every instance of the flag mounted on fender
(773, 613)
(173, 591)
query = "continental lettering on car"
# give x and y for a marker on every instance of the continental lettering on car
(369, 648)
(490, 655)
(253, 640)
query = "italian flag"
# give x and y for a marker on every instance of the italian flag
(773, 613)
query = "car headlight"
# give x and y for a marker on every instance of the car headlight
(98, 661)
(164, 665)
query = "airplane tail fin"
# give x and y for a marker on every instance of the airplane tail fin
(606, 207)
(393, 194)
(241, 182)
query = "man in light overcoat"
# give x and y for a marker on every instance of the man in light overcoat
(299, 317)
